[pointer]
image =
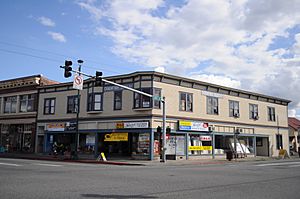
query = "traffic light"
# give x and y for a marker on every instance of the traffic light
(68, 69)
(158, 129)
(98, 81)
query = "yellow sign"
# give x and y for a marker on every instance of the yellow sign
(200, 148)
(120, 125)
(116, 137)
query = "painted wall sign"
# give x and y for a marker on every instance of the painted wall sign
(56, 127)
(211, 94)
(200, 148)
(132, 125)
(193, 126)
(116, 137)
(109, 88)
(71, 126)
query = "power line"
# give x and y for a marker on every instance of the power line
(56, 54)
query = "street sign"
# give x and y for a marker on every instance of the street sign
(157, 98)
(78, 82)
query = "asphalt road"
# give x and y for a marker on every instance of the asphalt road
(43, 179)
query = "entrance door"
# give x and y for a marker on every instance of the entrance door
(262, 146)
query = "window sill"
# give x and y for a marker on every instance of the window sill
(142, 109)
(94, 112)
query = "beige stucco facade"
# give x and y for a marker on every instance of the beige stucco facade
(107, 119)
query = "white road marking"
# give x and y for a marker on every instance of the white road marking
(10, 164)
(50, 165)
(277, 164)
(294, 166)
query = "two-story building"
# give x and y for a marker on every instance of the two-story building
(18, 112)
(121, 123)
(294, 134)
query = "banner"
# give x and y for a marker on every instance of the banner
(200, 148)
(192, 126)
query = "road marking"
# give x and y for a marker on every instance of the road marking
(50, 165)
(294, 166)
(10, 164)
(277, 164)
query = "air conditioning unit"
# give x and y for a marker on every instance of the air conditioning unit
(236, 115)
(256, 117)
(216, 111)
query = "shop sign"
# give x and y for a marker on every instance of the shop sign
(132, 125)
(90, 140)
(116, 137)
(193, 126)
(200, 148)
(71, 126)
(56, 127)
(205, 138)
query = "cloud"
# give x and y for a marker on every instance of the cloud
(57, 36)
(235, 36)
(46, 21)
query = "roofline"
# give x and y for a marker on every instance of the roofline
(181, 78)
(19, 78)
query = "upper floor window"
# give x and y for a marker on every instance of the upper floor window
(49, 106)
(72, 104)
(212, 105)
(117, 100)
(142, 101)
(271, 114)
(156, 102)
(185, 101)
(10, 104)
(0, 105)
(234, 110)
(95, 102)
(27, 103)
(253, 111)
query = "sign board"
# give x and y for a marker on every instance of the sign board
(205, 138)
(78, 82)
(200, 148)
(116, 137)
(132, 125)
(193, 126)
(90, 140)
(109, 88)
(56, 127)
(71, 126)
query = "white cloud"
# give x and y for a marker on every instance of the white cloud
(160, 69)
(57, 36)
(46, 21)
(235, 36)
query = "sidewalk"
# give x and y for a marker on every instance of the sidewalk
(130, 162)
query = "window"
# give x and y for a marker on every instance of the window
(118, 100)
(278, 141)
(49, 106)
(212, 105)
(253, 111)
(27, 103)
(95, 102)
(10, 104)
(185, 101)
(271, 114)
(156, 102)
(234, 110)
(142, 101)
(0, 104)
(72, 104)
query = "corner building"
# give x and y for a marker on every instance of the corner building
(124, 124)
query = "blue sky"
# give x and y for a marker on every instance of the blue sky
(251, 45)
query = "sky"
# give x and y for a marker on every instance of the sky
(252, 45)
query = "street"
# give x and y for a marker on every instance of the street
(45, 179)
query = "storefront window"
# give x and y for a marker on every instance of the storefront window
(200, 144)
(175, 145)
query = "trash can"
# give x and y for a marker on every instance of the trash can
(229, 155)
